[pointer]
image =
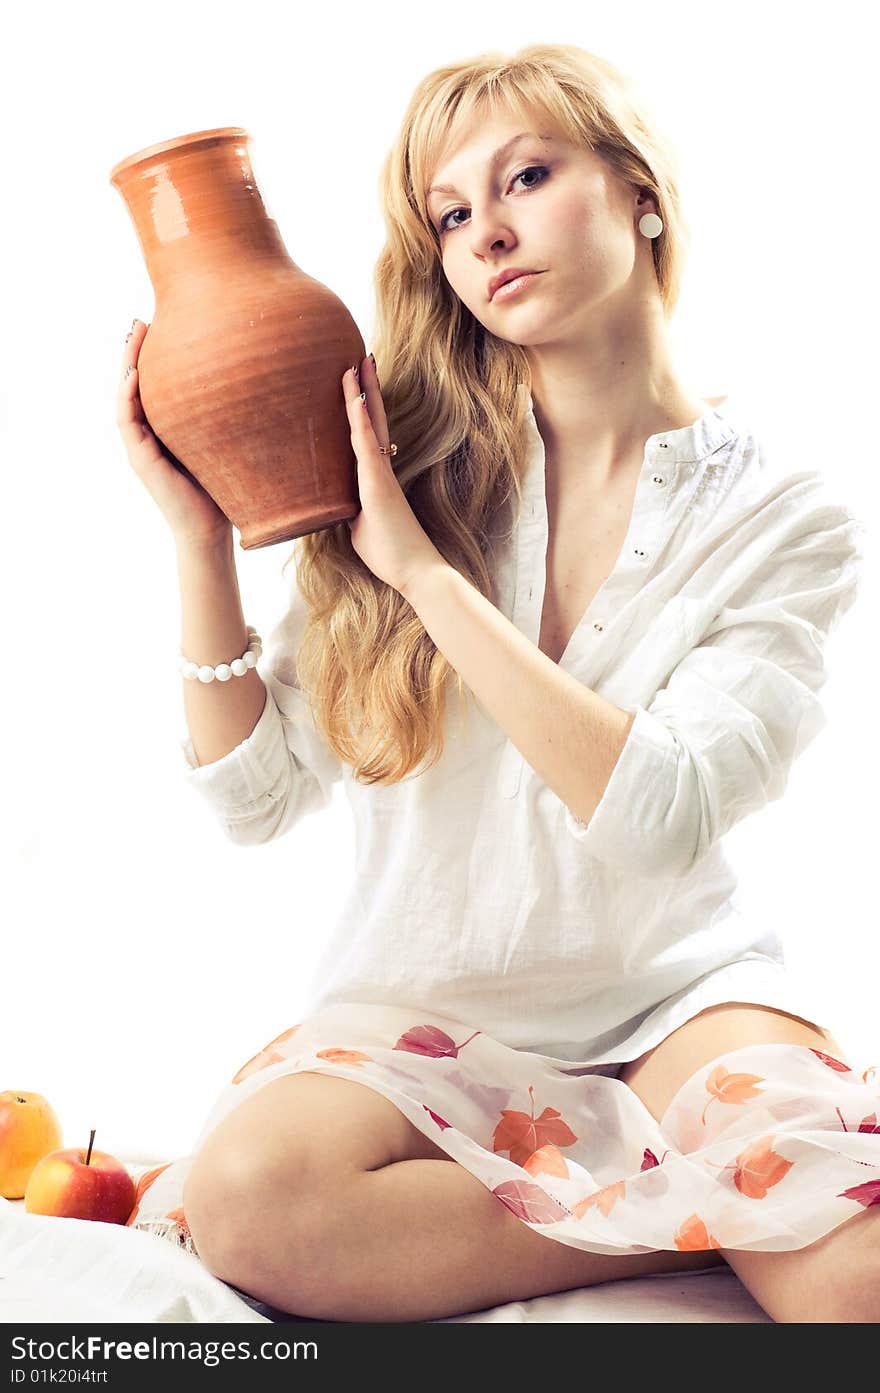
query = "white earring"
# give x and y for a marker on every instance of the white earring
(650, 225)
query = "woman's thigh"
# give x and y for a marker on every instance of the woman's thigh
(308, 1125)
(824, 1278)
(657, 1075)
(298, 1144)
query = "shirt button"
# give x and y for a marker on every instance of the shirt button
(598, 627)
(640, 553)
(658, 479)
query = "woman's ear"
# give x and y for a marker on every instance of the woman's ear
(646, 202)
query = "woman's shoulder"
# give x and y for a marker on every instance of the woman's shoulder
(792, 488)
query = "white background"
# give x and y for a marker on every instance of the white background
(145, 957)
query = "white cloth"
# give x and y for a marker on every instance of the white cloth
(84, 1271)
(477, 893)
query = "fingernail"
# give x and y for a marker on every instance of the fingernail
(354, 368)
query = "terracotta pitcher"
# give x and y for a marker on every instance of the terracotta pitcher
(241, 368)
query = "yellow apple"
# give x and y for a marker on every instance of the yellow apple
(29, 1129)
(80, 1184)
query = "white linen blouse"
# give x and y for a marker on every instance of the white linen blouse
(477, 893)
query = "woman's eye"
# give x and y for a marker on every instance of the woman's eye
(530, 169)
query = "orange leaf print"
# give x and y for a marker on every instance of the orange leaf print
(529, 1202)
(143, 1185)
(340, 1056)
(694, 1237)
(521, 1133)
(285, 1035)
(604, 1199)
(730, 1088)
(259, 1061)
(547, 1159)
(269, 1054)
(758, 1168)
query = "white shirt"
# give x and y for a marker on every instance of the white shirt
(477, 893)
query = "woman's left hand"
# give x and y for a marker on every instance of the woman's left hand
(386, 534)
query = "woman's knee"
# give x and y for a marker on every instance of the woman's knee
(294, 1145)
(216, 1196)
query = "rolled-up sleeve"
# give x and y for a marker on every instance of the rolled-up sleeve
(284, 769)
(718, 740)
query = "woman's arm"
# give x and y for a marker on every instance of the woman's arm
(570, 735)
(219, 714)
(652, 789)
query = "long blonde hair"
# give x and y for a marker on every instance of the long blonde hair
(375, 681)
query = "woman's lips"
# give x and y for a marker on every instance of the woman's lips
(511, 288)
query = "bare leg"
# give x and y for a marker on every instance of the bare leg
(420, 1240)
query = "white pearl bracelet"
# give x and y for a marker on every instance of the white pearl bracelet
(223, 671)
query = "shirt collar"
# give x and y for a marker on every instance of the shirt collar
(688, 444)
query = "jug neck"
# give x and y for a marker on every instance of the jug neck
(197, 210)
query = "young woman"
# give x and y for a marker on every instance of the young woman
(573, 636)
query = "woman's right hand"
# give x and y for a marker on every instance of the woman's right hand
(191, 513)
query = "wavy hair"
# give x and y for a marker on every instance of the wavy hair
(375, 682)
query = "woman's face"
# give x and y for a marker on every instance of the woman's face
(547, 206)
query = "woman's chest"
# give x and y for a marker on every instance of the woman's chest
(586, 533)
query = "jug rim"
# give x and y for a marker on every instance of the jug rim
(216, 135)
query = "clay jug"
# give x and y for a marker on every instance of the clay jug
(241, 368)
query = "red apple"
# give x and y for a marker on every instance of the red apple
(29, 1129)
(76, 1184)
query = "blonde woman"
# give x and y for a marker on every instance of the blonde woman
(574, 635)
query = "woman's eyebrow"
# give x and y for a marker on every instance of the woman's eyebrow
(494, 160)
